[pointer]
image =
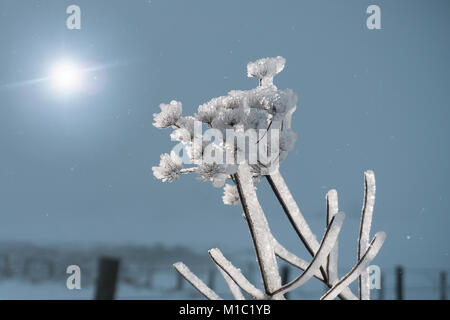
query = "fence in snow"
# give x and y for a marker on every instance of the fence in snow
(396, 283)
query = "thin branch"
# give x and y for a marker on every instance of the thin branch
(235, 274)
(291, 209)
(299, 223)
(360, 267)
(195, 281)
(188, 170)
(332, 261)
(323, 251)
(301, 264)
(291, 258)
(364, 232)
(268, 127)
(234, 288)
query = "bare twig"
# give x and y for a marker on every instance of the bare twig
(235, 274)
(364, 232)
(361, 266)
(323, 251)
(234, 288)
(195, 281)
(299, 224)
(292, 210)
(188, 170)
(291, 258)
(332, 261)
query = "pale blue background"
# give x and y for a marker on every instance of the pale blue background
(78, 170)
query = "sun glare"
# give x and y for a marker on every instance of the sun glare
(66, 76)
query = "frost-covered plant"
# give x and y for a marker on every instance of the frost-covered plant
(261, 118)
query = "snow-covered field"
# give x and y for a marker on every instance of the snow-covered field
(18, 289)
(28, 272)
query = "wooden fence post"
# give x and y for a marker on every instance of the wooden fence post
(285, 278)
(149, 280)
(443, 285)
(6, 271)
(399, 282)
(108, 270)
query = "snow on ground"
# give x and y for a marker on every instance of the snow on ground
(18, 289)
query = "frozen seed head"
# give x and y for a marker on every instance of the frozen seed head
(169, 115)
(265, 69)
(169, 167)
(254, 115)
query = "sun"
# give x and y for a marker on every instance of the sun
(66, 76)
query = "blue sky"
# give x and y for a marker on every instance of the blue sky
(77, 169)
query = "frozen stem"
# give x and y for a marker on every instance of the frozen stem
(235, 274)
(319, 259)
(364, 232)
(234, 288)
(332, 261)
(360, 267)
(291, 258)
(259, 229)
(198, 284)
(292, 210)
(299, 224)
(188, 170)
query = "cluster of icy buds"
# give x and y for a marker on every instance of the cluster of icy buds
(252, 126)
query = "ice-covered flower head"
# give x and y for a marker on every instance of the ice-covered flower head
(169, 115)
(265, 69)
(169, 167)
(256, 119)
